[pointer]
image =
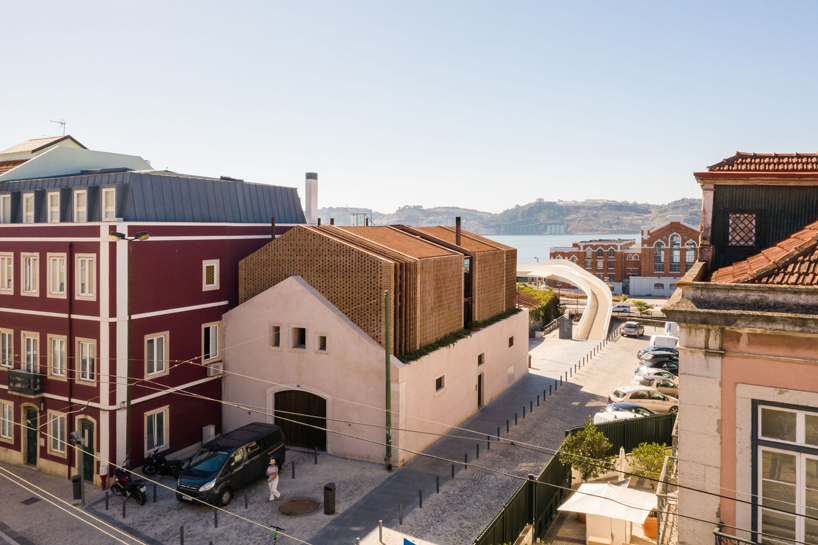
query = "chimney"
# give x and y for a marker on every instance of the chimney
(311, 198)
(319, 222)
(457, 230)
(332, 221)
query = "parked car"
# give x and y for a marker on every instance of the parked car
(664, 340)
(621, 308)
(659, 356)
(620, 411)
(668, 386)
(646, 397)
(643, 371)
(230, 462)
(632, 328)
(650, 367)
(663, 349)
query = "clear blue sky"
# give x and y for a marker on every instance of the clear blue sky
(480, 104)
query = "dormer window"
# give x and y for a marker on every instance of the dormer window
(80, 206)
(54, 207)
(741, 229)
(5, 208)
(28, 208)
(108, 204)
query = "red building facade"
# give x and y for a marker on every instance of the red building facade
(67, 310)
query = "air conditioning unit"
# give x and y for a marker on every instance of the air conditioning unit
(215, 369)
(208, 433)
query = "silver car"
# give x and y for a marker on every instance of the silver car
(648, 398)
(663, 384)
(632, 328)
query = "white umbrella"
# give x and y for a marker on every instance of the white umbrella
(607, 500)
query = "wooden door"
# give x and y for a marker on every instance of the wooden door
(31, 436)
(306, 408)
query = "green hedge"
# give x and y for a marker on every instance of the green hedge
(550, 303)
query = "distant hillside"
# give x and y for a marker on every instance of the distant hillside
(539, 217)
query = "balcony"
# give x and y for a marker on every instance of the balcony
(726, 539)
(22, 382)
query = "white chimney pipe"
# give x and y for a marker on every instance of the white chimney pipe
(311, 198)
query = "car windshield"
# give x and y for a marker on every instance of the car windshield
(640, 411)
(617, 393)
(207, 460)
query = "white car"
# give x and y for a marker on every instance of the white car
(621, 308)
(646, 397)
(643, 371)
(620, 411)
(665, 385)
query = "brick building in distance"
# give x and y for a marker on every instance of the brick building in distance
(71, 298)
(653, 267)
(310, 331)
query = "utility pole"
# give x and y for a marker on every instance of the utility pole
(387, 351)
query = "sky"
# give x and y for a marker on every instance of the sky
(477, 104)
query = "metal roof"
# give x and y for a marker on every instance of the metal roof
(171, 197)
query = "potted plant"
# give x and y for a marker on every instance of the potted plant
(646, 461)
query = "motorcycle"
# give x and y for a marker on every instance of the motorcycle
(125, 485)
(156, 463)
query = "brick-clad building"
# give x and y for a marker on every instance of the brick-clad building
(310, 331)
(71, 298)
(653, 267)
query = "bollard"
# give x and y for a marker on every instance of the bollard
(316, 455)
(245, 499)
(181, 535)
(215, 518)
(549, 389)
(293, 469)
(498, 433)
(560, 381)
(380, 532)
(506, 425)
(515, 419)
(400, 521)
(123, 508)
(466, 458)
(531, 405)
(570, 373)
(452, 471)
(106, 500)
(488, 442)
(538, 400)
(477, 449)
(523, 412)
(437, 484)
(420, 498)
(154, 492)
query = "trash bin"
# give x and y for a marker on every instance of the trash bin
(75, 481)
(329, 499)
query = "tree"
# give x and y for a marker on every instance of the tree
(586, 451)
(643, 307)
(647, 460)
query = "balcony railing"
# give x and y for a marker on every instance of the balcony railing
(22, 382)
(726, 539)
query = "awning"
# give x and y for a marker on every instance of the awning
(614, 501)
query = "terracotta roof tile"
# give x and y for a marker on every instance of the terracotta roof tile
(767, 162)
(398, 241)
(526, 300)
(5, 166)
(37, 143)
(793, 262)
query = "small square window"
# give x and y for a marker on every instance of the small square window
(322, 343)
(275, 336)
(510, 342)
(481, 359)
(742, 229)
(440, 383)
(299, 337)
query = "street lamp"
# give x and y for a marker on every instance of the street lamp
(117, 237)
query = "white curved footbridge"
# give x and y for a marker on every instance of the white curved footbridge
(597, 316)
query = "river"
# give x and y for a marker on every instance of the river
(530, 247)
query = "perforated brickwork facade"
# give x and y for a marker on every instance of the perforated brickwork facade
(440, 292)
(489, 284)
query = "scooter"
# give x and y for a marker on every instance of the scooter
(156, 463)
(125, 485)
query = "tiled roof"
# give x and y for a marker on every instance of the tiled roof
(467, 240)
(767, 162)
(399, 241)
(526, 300)
(792, 262)
(36, 144)
(5, 166)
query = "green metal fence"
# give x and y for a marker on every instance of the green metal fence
(530, 503)
(632, 432)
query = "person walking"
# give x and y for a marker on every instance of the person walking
(272, 480)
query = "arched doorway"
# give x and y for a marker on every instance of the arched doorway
(311, 409)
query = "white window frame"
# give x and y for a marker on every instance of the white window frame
(80, 214)
(85, 272)
(210, 263)
(690, 253)
(7, 273)
(57, 365)
(7, 348)
(108, 213)
(30, 274)
(57, 424)
(160, 365)
(60, 261)
(165, 412)
(53, 212)
(86, 358)
(7, 421)
(5, 208)
(209, 330)
(30, 351)
(28, 215)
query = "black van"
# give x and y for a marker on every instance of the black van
(230, 462)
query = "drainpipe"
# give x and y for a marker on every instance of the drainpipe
(69, 352)
(387, 350)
